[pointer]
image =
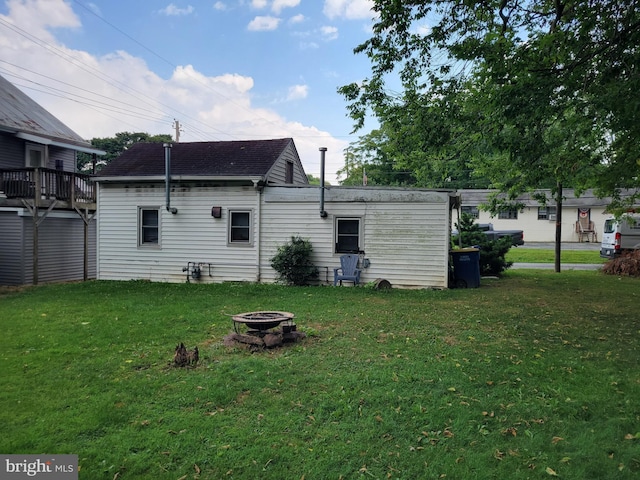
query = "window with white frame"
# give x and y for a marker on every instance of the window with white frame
(348, 235)
(547, 213)
(149, 227)
(240, 223)
(508, 214)
(473, 211)
(35, 155)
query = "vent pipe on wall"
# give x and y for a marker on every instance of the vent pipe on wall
(167, 174)
(323, 214)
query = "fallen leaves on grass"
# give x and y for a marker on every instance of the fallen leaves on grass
(551, 471)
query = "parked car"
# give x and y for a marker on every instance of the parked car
(517, 236)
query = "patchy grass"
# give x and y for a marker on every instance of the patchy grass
(530, 376)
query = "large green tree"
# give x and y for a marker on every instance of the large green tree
(537, 92)
(373, 160)
(114, 146)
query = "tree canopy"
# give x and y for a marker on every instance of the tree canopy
(114, 146)
(530, 93)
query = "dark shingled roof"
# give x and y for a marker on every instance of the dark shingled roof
(235, 158)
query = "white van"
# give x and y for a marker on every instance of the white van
(620, 235)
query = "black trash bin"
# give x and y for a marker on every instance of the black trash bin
(466, 267)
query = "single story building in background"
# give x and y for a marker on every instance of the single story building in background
(539, 222)
(222, 209)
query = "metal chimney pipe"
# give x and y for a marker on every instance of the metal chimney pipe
(323, 214)
(167, 175)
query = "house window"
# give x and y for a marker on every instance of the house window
(473, 211)
(508, 214)
(34, 156)
(240, 227)
(348, 235)
(149, 226)
(289, 173)
(547, 213)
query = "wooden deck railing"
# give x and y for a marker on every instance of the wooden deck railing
(41, 184)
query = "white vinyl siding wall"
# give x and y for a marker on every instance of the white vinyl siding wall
(191, 235)
(539, 230)
(405, 233)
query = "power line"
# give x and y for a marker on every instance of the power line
(127, 105)
(129, 109)
(83, 100)
(168, 62)
(139, 96)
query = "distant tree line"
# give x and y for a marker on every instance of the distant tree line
(114, 146)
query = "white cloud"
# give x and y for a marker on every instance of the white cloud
(209, 107)
(329, 33)
(422, 30)
(263, 23)
(349, 9)
(220, 6)
(308, 45)
(298, 92)
(258, 4)
(172, 10)
(297, 19)
(54, 14)
(279, 5)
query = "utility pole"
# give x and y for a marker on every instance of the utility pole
(176, 125)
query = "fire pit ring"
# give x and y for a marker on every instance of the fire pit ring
(261, 321)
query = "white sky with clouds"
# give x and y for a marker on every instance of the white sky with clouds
(226, 69)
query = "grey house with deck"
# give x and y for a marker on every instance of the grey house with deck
(47, 233)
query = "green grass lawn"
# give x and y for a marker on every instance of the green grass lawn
(533, 375)
(539, 255)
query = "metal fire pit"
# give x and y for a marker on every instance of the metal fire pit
(261, 321)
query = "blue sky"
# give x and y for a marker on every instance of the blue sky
(225, 69)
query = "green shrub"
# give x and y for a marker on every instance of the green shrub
(492, 252)
(293, 262)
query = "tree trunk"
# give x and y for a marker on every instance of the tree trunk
(558, 226)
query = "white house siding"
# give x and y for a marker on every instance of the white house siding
(543, 230)
(405, 232)
(191, 235)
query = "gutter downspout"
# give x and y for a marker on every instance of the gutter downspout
(258, 188)
(323, 214)
(167, 174)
